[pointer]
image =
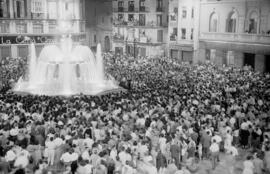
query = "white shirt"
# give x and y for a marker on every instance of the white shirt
(50, 145)
(10, 156)
(214, 147)
(88, 142)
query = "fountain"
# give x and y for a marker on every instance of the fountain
(65, 70)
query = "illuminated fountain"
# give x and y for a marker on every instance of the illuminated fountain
(65, 70)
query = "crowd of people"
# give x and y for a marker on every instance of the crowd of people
(171, 117)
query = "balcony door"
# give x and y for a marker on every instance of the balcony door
(142, 5)
(253, 23)
(159, 5)
(232, 22)
(213, 26)
(267, 63)
(142, 19)
(130, 5)
(159, 20)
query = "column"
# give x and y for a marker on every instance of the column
(259, 62)
(238, 59)
(11, 10)
(14, 51)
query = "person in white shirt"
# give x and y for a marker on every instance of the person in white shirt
(214, 149)
(50, 150)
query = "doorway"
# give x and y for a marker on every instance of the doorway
(267, 63)
(249, 59)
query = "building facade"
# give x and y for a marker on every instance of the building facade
(99, 24)
(140, 27)
(235, 32)
(40, 21)
(182, 29)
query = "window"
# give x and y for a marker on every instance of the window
(142, 19)
(4, 27)
(19, 8)
(253, 22)
(3, 8)
(184, 12)
(52, 12)
(142, 5)
(174, 14)
(231, 23)
(52, 27)
(78, 72)
(173, 36)
(120, 17)
(121, 6)
(130, 5)
(183, 33)
(160, 36)
(131, 17)
(159, 4)
(37, 28)
(95, 38)
(21, 28)
(213, 23)
(191, 34)
(192, 12)
(159, 20)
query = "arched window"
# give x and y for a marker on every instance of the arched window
(213, 26)
(232, 22)
(253, 22)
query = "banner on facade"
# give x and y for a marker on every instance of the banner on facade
(38, 6)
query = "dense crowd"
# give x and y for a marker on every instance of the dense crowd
(171, 116)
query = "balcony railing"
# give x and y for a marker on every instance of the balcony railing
(137, 23)
(236, 37)
(118, 37)
(173, 38)
(160, 9)
(131, 9)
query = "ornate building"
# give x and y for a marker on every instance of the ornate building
(140, 27)
(235, 32)
(183, 29)
(39, 21)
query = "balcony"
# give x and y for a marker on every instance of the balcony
(236, 37)
(120, 9)
(144, 9)
(118, 37)
(173, 37)
(136, 23)
(160, 9)
(131, 9)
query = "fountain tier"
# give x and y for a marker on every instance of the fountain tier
(65, 71)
